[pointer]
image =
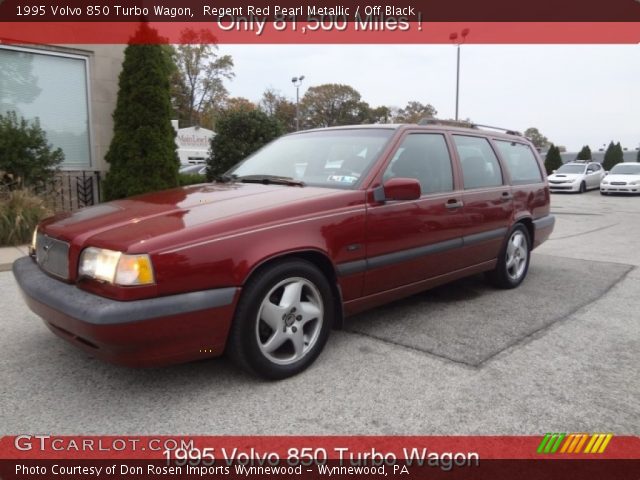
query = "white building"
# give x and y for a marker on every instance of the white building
(193, 144)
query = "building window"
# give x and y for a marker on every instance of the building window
(53, 88)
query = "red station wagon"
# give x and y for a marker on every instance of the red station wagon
(316, 226)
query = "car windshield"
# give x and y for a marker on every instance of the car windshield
(622, 169)
(326, 158)
(571, 169)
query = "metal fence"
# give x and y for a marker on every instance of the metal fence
(71, 190)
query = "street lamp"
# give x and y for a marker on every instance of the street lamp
(454, 38)
(297, 81)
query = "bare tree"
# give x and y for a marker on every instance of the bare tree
(198, 79)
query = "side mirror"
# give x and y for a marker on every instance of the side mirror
(606, 172)
(589, 171)
(399, 189)
(553, 171)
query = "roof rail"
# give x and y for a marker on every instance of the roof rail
(465, 124)
(450, 123)
(508, 131)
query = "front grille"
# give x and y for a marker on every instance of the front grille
(618, 183)
(52, 255)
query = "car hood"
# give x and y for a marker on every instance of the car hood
(621, 178)
(141, 223)
(565, 176)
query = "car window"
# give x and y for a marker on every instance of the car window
(520, 162)
(425, 157)
(480, 167)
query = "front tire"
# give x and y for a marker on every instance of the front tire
(513, 262)
(283, 320)
(583, 187)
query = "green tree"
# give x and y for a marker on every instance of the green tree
(618, 154)
(553, 160)
(240, 132)
(26, 158)
(197, 83)
(584, 154)
(142, 154)
(413, 112)
(538, 139)
(277, 106)
(612, 156)
(332, 104)
(379, 114)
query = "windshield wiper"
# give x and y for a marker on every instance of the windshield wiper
(271, 179)
(226, 178)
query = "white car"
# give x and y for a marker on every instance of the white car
(623, 178)
(576, 177)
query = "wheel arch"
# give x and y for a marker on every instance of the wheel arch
(528, 223)
(318, 259)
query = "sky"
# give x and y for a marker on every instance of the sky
(574, 94)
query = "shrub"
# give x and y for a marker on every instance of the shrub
(190, 179)
(612, 156)
(585, 153)
(553, 160)
(239, 133)
(142, 154)
(20, 212)
(26, 158)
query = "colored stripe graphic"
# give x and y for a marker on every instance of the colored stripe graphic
(573, 443)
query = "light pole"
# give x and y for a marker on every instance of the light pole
(454, 38)
(297, 81)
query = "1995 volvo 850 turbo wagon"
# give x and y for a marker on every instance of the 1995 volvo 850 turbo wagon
(316, 226)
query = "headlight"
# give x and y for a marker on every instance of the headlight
(32, 247)
(116, 267)
(634, 183)
(605, 182)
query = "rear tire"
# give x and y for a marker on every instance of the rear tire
(283, 320)
(513, 261)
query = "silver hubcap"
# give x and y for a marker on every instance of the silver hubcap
(289, 320)
(517, 252)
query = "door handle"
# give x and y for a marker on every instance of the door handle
(454, 203)
(506, 196)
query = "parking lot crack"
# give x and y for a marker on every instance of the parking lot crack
(557, 322)
(413, 349)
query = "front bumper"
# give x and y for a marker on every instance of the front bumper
(564, 187)
(150, 332)
(620, 188)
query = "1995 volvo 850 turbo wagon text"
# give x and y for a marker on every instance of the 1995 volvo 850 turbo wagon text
(316, 226)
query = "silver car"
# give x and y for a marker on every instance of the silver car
(576, 177)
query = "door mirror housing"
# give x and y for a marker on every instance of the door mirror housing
(401, 189)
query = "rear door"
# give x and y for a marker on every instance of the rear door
(488, 199)
(409, 241)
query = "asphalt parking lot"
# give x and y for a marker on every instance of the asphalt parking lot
(561, 353)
